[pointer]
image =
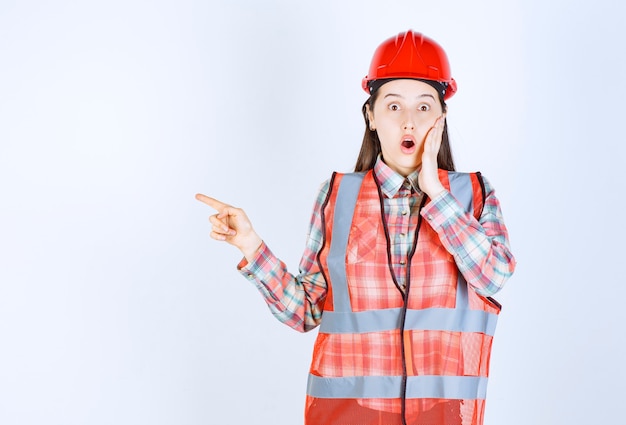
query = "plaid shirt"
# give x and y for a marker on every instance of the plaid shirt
(480, 248)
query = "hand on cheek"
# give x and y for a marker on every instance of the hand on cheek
(428, 176)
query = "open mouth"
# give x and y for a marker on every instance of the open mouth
(408, 143)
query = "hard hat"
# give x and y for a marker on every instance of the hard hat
(410, 55)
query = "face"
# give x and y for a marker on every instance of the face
(403, 114)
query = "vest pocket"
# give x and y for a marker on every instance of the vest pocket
(362, 245)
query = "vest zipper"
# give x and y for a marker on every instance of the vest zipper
(405, 292)
(404, 308)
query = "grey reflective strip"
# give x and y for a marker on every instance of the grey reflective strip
(461, 188)
(344, 210)
(446, 387)
(355, 387)
(453, 320)
(451, 387)
(360, 322)
(434, 319)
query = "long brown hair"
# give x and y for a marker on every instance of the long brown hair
(370, 148)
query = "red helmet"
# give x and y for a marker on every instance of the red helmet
(410, 55)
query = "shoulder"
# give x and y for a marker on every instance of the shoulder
(330, 188)
(452, 178)
(337, 178)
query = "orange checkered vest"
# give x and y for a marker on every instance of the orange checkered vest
(387, 356)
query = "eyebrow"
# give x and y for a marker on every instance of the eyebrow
(399, 95)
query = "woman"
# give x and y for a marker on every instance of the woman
(401, 259)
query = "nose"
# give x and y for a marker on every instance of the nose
(408, 123)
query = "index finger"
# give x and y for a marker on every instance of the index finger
(441, 120)
(212, 202)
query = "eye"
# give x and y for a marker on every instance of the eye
(394, 107)
(424, 107)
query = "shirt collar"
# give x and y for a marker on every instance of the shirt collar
(390, 181)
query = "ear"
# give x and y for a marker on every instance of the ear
(370, 117)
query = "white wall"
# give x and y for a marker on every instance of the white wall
(116, 307)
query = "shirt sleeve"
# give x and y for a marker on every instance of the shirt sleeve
(480, 247)
(295, 300)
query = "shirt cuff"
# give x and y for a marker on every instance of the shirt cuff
(441, 210)
(263, 261)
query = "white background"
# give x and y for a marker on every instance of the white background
(117, 308)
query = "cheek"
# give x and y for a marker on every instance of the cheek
(430, 119)
(424, 126)
(422, 132)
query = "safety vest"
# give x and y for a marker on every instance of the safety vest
(388, 355)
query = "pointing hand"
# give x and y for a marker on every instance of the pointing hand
(232, 225)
